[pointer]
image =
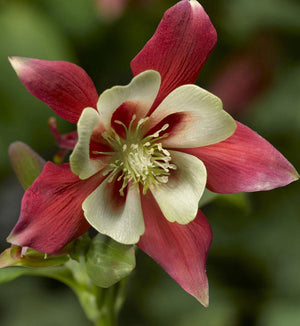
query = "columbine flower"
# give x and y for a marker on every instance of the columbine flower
(145, 153)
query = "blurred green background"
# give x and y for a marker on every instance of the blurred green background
(254, 262)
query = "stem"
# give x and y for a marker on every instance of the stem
(101, 306)
(110, 303)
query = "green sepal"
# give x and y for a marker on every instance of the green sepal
(108, 261)
(26, 163)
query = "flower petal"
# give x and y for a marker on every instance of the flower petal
(64, 86)
(142, 91)
(180, 249)
(119, 217)
(179, 48)
(80, 161)
(178, 198)
(51, 214)
(244, 162)
(195, 118)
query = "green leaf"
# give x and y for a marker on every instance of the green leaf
(26, 163)
(109, 261)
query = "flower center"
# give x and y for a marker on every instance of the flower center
(137, 159)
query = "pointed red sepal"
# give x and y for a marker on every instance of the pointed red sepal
(51, 214)
(244, 162)
(179, 48)
(64, 86)
(180, 249)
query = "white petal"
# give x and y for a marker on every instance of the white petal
(202, 120)
(124, 223)
(142, 90)
(80, 161)
(178, 198)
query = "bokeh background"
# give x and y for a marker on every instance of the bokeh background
(254, 261)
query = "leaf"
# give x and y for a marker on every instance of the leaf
(109, 261)
(26, 163)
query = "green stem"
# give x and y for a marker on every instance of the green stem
(110, 303)
(101, 306)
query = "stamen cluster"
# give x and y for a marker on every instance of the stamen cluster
(137, 159)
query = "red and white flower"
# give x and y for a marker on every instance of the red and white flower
(145, 153)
